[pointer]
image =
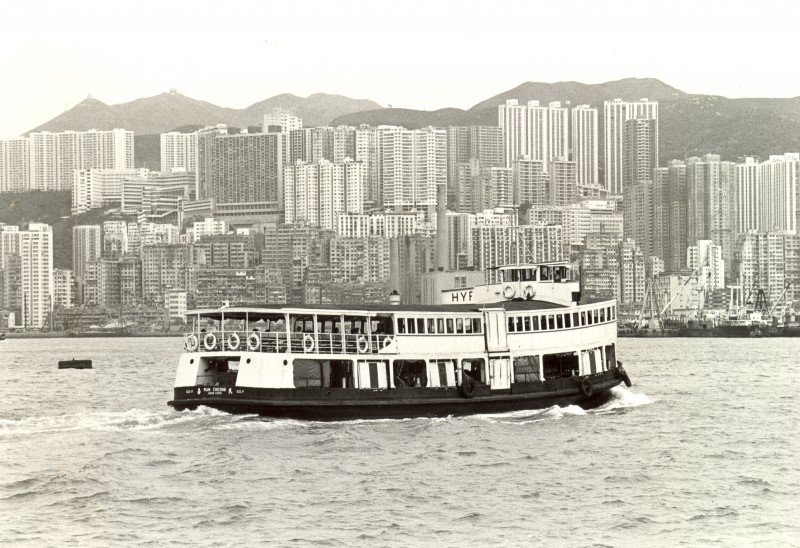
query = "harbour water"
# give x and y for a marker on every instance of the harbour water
(702, 450)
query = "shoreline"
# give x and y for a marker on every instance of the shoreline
(64, 335)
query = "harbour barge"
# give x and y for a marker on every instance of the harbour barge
(525, 342)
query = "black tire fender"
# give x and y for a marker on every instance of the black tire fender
(467, 387)
(586, 388)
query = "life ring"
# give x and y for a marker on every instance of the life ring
(586, 388)
(253, 342)
(362, 344)
(387, 341)
(529, 291)
(210, 341)
(467, 387)
(308, 343)
(234, 341)
(509, 291)
(192, 342)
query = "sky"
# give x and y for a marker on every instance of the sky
(413, 54)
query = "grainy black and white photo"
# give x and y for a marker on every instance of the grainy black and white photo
(370, 274)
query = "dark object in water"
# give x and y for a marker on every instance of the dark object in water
(75, 364)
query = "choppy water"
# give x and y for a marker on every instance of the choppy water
(702, 450)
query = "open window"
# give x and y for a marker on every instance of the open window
(558, 366)
(526, 368)
(475, 368)
(410, 373)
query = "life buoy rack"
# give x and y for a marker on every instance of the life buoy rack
(467, 387)
(192, 342)
(586, 388)
(234, 341)
(362, 344)
(529, 291)
(210, 341)
(253, 342)
(308, 343)
(387, 341)
(509, 291)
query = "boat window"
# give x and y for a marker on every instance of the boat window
(596, 314)
(544, 323)
(560, 321)
(535, 323)
(613, 312)
(476, 325)
(544, 273)
(567, 322)
(558, 273)
(475, 368)
(602, 314)
(421, 326)
(557, 366)
(450, 328)
(442, 373)
(411, 325)
(431, 325)
(583, 317)
(401, 325)
(410, 373)
(526, 368)
(589, 317)
(551, 322)
(440, 325)
(575, 319)
(526, 323)
(527, 275)
(468, 326)
(511, 324)
(459, 325)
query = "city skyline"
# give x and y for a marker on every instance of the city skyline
(412, 58)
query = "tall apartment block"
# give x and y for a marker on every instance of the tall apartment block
(616, 114)
(318, 193)
(765, 194)
(481, 144)
(710, 185)
(584, 144)
(54, 156)
(86, 246)
(179, 151)
(15, 165)
(241, 173)
(34, 249)
(413, 163)
(538, 132)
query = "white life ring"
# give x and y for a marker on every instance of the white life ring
(210, 341)
(192, 342)
(308, 343)
(387, 341)
(529, 291)
(509, 291)
(233, 341)
(253, 342)
(363, 344)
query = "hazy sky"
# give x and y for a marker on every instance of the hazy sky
(416, 54)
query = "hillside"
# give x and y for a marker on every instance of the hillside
(166, 111)
(52, 208)
(689, 125)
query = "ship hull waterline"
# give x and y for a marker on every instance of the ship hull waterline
(346, 404)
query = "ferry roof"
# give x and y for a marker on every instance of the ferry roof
(405, 309)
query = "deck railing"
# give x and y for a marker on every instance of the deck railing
(294, 343)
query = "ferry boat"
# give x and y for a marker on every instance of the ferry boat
(525, 342)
